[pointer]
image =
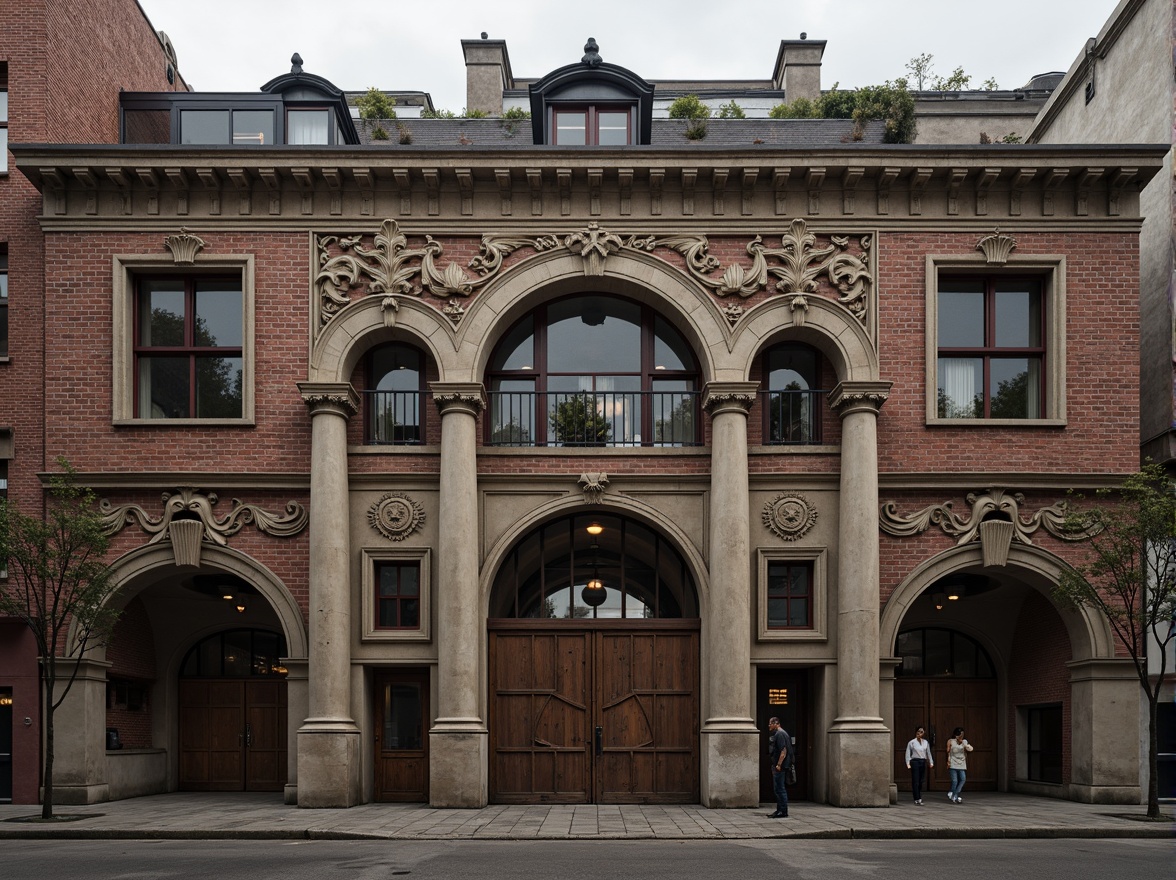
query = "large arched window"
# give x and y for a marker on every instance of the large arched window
(593, 370)
(941, 653)
(394, 402)
(236, 653)
(592, 566)
(791, 394)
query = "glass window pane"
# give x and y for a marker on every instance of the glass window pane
(211, 656)
(410, 613)
(218, 387)
(1018, 314)
(961, 383)
(3, 105)
(612, 128)
(516, 351)
(798, 609)
(402, 716)
(3, 149)
(388, 617)
(307, 126)
(238, 654)
(1015, 388)
(147, 127)
(389, 580)
(204, 127)
(396, 368)
(791, 368)
(594, 334)
(961, 314)
(218, 314)
(161, 313)
(674, 407)
(512, 412)
(253, 127)
(409, 580)
(571, 128)
(163, 388)
(670, 351)
(938, 652)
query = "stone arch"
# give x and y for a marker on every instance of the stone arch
(619, 505)
(637, 275)
(132, 573)
(361, 325)
(827, 326)
(1090, 636)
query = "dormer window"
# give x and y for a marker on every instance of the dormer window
(592, 125)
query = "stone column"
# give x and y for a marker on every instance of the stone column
(1105, 756)
(80, 774)
(458, 757)
(859, 742)
(730, 741)
(329, 753)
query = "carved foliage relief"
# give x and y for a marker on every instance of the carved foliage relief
(191, 504)
(836, 266)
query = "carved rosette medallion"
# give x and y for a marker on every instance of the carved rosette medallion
(789, 515)
(396, 516)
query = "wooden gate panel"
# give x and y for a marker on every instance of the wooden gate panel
(941, 706)
(402, 742)
(265, 707)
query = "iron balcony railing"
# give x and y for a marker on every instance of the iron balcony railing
(594, 418)
(792, 417)
(394, 418)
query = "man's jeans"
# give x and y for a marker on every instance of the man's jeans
(957, 781)
(779, 779)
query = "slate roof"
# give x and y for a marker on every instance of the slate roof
(666, 133)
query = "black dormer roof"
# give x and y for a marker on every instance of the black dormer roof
(298, 79)
(592, 79)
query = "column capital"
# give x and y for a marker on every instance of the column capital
(729, 396)
(468, 396)
(850, 397)
(332, 397)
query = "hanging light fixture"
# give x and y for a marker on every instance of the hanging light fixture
(241, 605)
(594, 592)
(940, 600)
(594, 529)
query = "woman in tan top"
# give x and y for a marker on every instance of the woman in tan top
(957, 763)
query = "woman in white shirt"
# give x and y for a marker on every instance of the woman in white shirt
(918, 758)
(957, 763)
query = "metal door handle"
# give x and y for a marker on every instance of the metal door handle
(248, 736)
(599, 740)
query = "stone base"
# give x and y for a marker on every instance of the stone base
(458, 768)
(1107, 794)
(731, 766)
(328, 765)
(290, 795)
(859, 763)
(77, 795)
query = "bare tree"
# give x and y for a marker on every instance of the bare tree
(920, 68)
(57, 578)
(1130, 577)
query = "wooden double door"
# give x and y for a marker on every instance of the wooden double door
(594, 711)
(232, 734)
(940, 706)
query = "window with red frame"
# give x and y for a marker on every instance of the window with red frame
(591, 126)
(188, 347)
(790, 595)
(398, 595)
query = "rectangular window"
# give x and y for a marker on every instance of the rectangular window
(3, 300)
(225, 126)
(3, 117)
(790, 595)
(991, 349)
(188, 348)
(308, 126)
(1044, 743)
(591, 125)
(398, 595)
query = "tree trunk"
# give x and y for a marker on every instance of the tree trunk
(50, 680)
(1153, 754)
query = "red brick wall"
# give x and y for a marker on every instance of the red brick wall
(131, 653)
(1038, 674)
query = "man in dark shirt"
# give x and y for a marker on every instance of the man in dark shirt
(780, 751)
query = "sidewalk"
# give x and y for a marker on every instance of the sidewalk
(264, 816)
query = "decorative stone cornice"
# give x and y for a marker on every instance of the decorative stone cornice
(396, 516)
(337, 397)
(994, 505)
(390, 268)
(469, 396)
(184, 246)
(729, 396)
(188, 520)
(593, 486)
(996, 248)
(850, 397)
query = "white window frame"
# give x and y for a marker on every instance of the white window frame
(128, 267)
(1052, 270)
(369, 556)
(819, 557)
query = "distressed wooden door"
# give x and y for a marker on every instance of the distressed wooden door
(402, 737)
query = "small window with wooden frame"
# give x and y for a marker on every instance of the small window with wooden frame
(396, 594)
(793, 594)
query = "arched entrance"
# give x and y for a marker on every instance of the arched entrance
(232, 713)
(593, 661)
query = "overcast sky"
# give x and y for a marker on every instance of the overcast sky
(237, 45)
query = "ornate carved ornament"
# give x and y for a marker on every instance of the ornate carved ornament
(396, 516)
(184, 246)
(789, 515)
(392, 269)
(191, 505)
(966, 529)
(593, 486)
(996, 247)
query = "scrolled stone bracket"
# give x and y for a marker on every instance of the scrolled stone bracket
(850, 397)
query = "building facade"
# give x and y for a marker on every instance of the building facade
(545, 462)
